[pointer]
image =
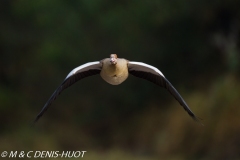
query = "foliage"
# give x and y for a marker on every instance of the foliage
(194, 43)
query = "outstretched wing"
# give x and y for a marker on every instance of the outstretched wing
(75, 75)
(152, 74)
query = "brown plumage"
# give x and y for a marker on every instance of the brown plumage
(115, 71)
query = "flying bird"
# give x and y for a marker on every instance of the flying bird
(114, 71)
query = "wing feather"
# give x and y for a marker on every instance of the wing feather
(152, 74)
(83, 71)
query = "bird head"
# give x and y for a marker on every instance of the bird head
(113, 59)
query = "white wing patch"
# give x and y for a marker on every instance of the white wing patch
(84, 67)
(139, 66)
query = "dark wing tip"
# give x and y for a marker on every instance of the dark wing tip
(37, 118)
(65, 84)
(198, 120)
(163, 82)
(39, 115)
(49, 102)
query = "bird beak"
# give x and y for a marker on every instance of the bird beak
(113, 60)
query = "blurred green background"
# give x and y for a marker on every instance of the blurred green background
(194, 43)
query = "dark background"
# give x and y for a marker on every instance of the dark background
(194, 43)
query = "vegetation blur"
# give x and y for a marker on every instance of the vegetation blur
(194, 43)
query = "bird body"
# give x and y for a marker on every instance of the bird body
(114, 71)
(114, 74)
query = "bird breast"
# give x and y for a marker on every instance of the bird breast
(114, 74)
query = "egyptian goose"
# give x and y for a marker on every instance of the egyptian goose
(115, 71)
